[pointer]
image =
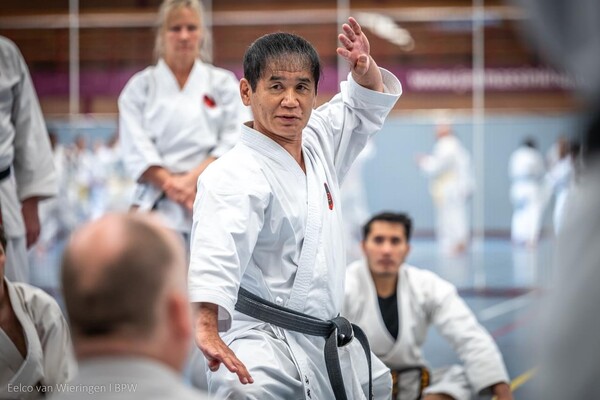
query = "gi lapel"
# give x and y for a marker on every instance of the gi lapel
(32, 370)
(312, 235)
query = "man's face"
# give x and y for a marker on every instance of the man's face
(282, 102)
(385, 248)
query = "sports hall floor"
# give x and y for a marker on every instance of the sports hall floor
(503, 285)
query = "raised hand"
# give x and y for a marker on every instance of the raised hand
(356, 50)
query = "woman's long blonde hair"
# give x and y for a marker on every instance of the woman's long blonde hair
(166, 8)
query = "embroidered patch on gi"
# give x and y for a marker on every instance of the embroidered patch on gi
(329, 198)
(209, 101)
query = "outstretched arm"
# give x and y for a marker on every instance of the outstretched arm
(356, 50)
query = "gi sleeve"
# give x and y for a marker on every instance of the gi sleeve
(235, 114)
(33, 163)
(228, 217)
(138, 151)
(473, 344)
(352, 117)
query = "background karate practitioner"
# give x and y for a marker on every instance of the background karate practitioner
(26, 165)
(451, 176)
(35, 345)
(177, 117)
(526, 171)
(396, 303)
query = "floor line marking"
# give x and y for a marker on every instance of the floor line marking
(506, 329)
(504, 307)
(521, 380)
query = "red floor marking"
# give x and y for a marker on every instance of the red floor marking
(503, 330)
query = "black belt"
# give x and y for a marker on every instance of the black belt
(5, 173)
(338, 331)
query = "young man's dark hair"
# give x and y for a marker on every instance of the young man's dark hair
(395, 218)
(291, 50)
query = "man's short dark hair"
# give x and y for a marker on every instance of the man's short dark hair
(281, 49)
(124, 296)
(391, 217)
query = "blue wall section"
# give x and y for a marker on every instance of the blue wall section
(393, 181)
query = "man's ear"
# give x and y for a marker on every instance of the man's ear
(362, 246)
(245, 91)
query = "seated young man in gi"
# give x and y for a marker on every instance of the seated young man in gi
(395, 303)
(35, 346)
(267, 220)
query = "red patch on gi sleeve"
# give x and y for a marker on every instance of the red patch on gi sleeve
(209, 101)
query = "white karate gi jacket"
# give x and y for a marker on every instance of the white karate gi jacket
(424, 299)
(560, 181)
(25, 147)
(526, 170)
(49, 358)
(450, 170)
(163, 125)
(262, 223)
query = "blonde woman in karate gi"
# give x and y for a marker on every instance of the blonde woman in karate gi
(35, 345)
(396, 303)
(176, 117)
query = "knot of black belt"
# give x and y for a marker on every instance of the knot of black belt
(338, 333)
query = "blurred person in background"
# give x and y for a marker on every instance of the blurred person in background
(35, 346)
(27, 172)
(569, 34)
(526, 171)
(559, 181)
(177, 117)
(57, 219)
(396, 303)
(450, 171)
(81, 171)
(124, 283)
(354, 203)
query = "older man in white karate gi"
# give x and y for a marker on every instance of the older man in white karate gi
(396, 303)
(35, 346)
(124, 283)
(26, 165)
(267, 219)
